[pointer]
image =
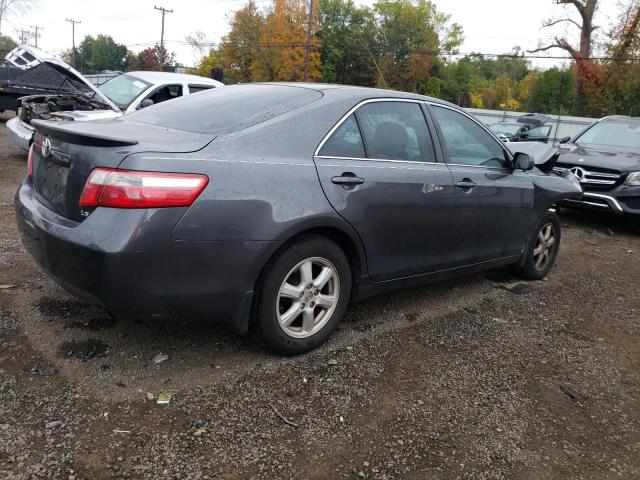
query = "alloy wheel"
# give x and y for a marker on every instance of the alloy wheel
(307, 297)
(545, 245)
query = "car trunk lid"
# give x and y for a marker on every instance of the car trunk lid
(65, 154)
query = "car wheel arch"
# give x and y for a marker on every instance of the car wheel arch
(349, 242)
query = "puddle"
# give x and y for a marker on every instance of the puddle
(83, 350)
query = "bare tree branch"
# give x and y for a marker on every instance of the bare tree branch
(551, 22)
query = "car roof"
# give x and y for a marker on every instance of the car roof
(167, 77)
(330, 89)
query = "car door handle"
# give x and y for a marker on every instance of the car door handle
(347, 178)
(466, 184)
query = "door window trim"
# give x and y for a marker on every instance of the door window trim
(378, 100)
(485, 128)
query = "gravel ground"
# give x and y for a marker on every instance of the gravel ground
(460, 380)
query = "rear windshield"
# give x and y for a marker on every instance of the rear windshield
(226, 109)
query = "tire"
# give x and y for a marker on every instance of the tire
(540, 255)
(298, 305)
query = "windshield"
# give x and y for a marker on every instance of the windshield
(123, 90)
(619, 134)
(224, 110)
(506, 128)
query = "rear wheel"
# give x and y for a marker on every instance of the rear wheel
(542, 248)
(302, 295)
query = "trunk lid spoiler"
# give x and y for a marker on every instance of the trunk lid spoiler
(26, 57)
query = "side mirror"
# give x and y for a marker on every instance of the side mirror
(564, 140)
(147, 102)
(522, 161)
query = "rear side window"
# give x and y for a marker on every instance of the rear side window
(227, 109)
(345, 141)
(395, 131)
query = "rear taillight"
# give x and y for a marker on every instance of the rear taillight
(30, 160)
(108, 187)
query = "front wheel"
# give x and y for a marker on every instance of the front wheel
(302, 295)
(542, 248)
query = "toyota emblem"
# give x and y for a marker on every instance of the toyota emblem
(46, 147)
(580, 173)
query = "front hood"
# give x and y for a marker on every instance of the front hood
(572, 154)
(29, 59)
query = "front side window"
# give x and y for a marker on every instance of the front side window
(167, 92)
(395, 131)
(345, 141)
(467, 142)
(199, 88)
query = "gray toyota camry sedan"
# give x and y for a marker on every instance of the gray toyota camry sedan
(271, 206)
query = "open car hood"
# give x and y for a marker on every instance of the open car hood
(43, 71)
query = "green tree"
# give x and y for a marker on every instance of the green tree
(98, 53)
(7, 43)
(409, 36)
(345, 34)
(555, 92)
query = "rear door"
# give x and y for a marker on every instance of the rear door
(379, 169)
(494, 202)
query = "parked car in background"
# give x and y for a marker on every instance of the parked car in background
(274, 205)
(527, 128)
(605, 157)
(81, 100)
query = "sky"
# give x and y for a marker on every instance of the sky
(490, 26)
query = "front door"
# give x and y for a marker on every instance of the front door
(380, 172)
(494, 203)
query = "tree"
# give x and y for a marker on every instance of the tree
(582, 54)
(409, 36)
(283, 37)
(238, 49)
(152, 58)
(14, 7)
(7, 43)
(208, 64)
(346, 32)
(554, 92)
(96, 54)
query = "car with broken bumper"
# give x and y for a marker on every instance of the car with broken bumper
(275, 214)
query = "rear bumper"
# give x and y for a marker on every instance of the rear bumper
(126, 261)
(623, 201)
(19, 133)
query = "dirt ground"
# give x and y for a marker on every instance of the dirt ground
(460, 380)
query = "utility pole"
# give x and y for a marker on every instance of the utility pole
(308, 51)
(164, 12)
(24, 34)
(73, 37)
(36, 28)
